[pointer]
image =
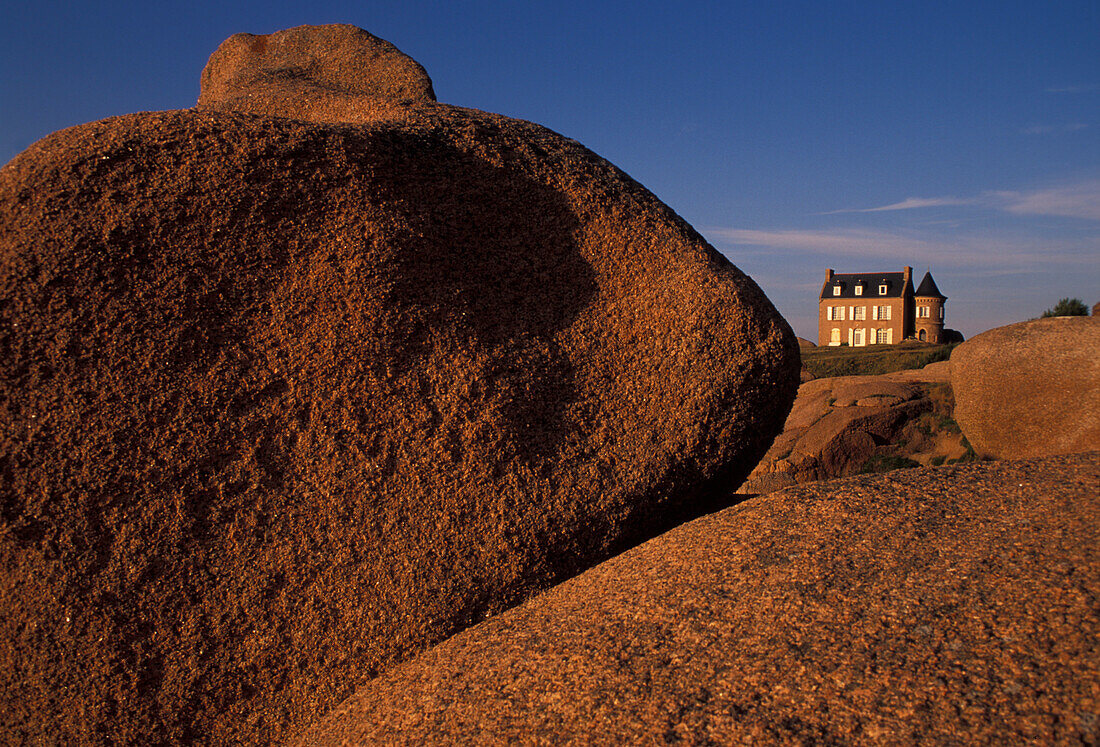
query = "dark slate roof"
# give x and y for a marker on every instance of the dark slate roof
(894, 282)
(928, 288)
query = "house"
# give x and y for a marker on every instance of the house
(879, 308)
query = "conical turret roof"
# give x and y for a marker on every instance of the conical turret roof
(927, 288)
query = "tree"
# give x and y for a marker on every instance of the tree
(1068, 307)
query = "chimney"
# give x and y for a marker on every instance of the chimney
(828, 275)
(908, 274)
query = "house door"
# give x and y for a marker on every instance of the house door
(920, 335)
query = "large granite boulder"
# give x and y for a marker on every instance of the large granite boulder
(952, 605)
(1031, 388)
(284, 402)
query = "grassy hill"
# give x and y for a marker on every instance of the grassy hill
(874, 359)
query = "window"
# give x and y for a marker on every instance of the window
(859, 313)
(857, 337)
(941, 312)
(882, 290)
(834, 337)
(922, 312)
(836, 290)
(835, 313)
(882, 337)
(882, 313)
(859, 290)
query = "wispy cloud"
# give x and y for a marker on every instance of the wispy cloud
(984, 253)
(1042, 129)
(993, 278)
(908, 203)
(1081, 200)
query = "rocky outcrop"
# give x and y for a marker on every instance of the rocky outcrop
(284, 402)
(952, 605)
(934, 373)
(1030, 389)
(837, 424)
(335, 73)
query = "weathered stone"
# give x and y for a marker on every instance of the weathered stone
(938, 372)
(335, 73)
(283, 403)
(929, 606)
(851, 390)
(1030, 389)
(836, 425)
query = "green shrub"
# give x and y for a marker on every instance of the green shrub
(886, 463)
(1068, 307)
(947, 423)
(968, 456)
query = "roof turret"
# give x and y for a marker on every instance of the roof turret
(928, 289)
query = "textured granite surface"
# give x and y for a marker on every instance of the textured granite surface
(952, 605)
(284, 401)
(1030, 389)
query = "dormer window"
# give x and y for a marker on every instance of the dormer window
(836, 290)
(859, 290)
(882, 290)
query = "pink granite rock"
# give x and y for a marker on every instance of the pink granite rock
(1030, 389)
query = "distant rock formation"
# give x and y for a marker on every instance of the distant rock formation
(1030, 389)
(837, 424)
(934, 373)
(283, 403)
(952, 605)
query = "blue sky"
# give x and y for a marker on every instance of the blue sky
(958, 136)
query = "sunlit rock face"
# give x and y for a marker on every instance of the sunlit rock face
(294, 388)
(335, 73)
(952, 605)
(1030, 389)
